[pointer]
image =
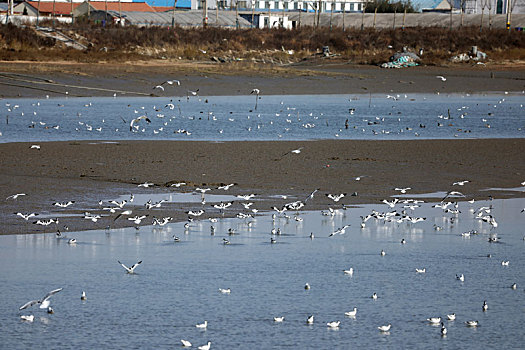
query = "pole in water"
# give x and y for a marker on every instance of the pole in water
(370, 99)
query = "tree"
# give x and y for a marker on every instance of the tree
(386, 6)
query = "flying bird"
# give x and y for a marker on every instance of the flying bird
(15, 196)
(131, 269)
(44, 302)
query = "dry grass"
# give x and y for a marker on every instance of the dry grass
(370, 46)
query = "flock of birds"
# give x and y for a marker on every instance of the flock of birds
(169, 120)
(399, 211)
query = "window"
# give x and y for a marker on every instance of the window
(276, 5)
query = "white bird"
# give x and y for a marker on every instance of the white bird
(26, 216)
(178, 184)
(225, 187)
(505, 263)
(246, 197)
(460, 183)
(392, 203)
(137, 219)
(460, 278)
(384, 328)
(185, 343)
(225, 291)
(351, 313)
(471, 323)
(434, 320)
(72, 241)
(255, 91)
(423, 270)
(63, 204)
(485, 306)
(441, 77)
(146, 184)
(131, 269)
(310, 319)
(28, 318)
(205, 347)
(202, 325)
(339, 231)
(451, 317)
(171, 82)
(15, 196)
(136, 120)
(374, 296)
(333, 324)
(160, 87)
(35, 147)
(83, 296)
(44, 302)
(383, 253)
(443, 329)
(336, 197)
(350, 271)
(402, 190)
(278, 319)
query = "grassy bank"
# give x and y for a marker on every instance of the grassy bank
(369, 46)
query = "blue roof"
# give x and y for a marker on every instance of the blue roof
(180, 3)
(425, 4)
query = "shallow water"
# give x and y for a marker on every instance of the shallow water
(290, 117)
(177, 284)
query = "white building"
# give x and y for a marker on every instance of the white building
(280, 5)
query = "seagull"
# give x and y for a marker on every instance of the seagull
(137, 219)
(310, 319)
(443, 329)
(392, 203)
(336, 197)
(402, 190)
(451, 317)
(35, 147)
(225, 291)
(374, 296)
(278, 319)
(171, 82)
(311, 195)
(384, 328)
(351, 313)
(26, 216)
(44, 302)
(453, 193)
(471, 323)
(339, 231)
(423, 270)
(350, 271)
(460, 278)
(178, 184)
(63, 204)
(131, 269)
(202, 325)
(295, 151)
(441, 77)
(225, 187)
(434, 320)
(382, 252)
(29, 318)
(146, 184)
(136, 120)
(83, 296)
(15, 196)
(485, 306)
(185, 343)
(246, 197)
(333, 324)
(460, 183)
(205, 347)
(160, 87)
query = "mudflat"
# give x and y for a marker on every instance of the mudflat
(87, 172)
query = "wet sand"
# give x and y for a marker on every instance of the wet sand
(88, 172)
(29, 79)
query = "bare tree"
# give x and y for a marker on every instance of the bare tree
(489, 6)
(451, 4)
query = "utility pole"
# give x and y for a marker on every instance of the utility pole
(173, 14)
(72, 18)
(204, 13)
(37, 13)
(508, 14)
